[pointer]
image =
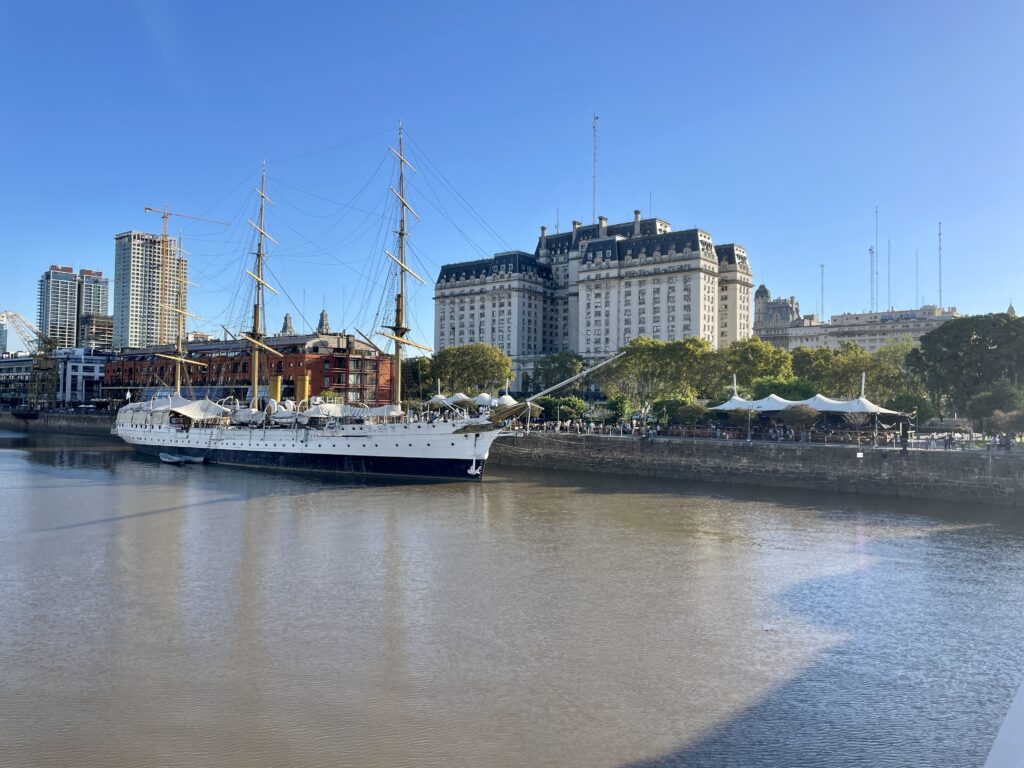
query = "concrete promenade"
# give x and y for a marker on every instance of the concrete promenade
(972, 476)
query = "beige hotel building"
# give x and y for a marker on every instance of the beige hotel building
(592, 289)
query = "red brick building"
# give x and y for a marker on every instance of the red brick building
(350, 369)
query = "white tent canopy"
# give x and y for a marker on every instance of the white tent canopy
(771, 403)
(774, 404)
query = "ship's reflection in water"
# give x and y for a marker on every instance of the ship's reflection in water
(201, 615)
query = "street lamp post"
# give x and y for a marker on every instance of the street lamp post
(748, 424)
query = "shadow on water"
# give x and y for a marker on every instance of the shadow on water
(206, 504)
(899, 690)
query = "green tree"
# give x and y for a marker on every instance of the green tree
(572, 407)
(799, 416)
(890, 380)
(643, 374)
(562, 407)
(1001, 396)
(549, 406)
(677, 411)
(922, 406)
(842, 380)
(753, 358)
(471, 368)
(555, 368)
(814, 366)
(698, 367)
(961, 358)
(790, 388)
(619, 408)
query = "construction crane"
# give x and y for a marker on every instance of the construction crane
(165, 214)
(43, 381)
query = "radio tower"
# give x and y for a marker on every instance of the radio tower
(594, 193)
(871, 276)
(874, 268)
(822, 317)
(940, 265)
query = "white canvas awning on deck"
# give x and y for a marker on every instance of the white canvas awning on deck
(201, 410)
(159, 404)
(337, 411)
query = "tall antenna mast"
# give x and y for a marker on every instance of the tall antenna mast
(594, 194)
(917, 288)
(874, 268)
(940, 265)
(888, 274)
(871, 276)
(822, 316)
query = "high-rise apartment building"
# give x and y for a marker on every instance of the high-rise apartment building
(593, 289)
(67, 299)
(57, 307)
(149, 286)
(3, 338)
(95, 324)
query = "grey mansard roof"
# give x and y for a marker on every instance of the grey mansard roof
(569, 241)
(516, 262)
(727, 253)
(670, 241)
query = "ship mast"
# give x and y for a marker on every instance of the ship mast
(399, 329)
(256, 335)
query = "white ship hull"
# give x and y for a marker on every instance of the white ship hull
(442, 449)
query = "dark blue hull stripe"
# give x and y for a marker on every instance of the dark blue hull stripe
(454, 469)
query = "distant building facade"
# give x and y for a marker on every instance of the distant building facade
(3, 337)
(15, 375)
(779, 322)
(57, 307)
(93, 303)
(311, 364)
(65, 298)
(96, 332)
(79, 375)
(150, 284)
(593, 289)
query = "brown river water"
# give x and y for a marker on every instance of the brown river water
(154, 615)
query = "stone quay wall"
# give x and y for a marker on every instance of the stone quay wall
(993, 477)
(66, 423)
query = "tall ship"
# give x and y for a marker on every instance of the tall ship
(313, 435)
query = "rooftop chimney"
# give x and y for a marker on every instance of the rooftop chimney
(636, 222)
(575, 225)
(543, 238)
(602, 226)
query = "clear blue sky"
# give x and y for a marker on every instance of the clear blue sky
(779, 126)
